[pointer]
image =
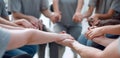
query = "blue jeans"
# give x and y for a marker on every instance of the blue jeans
(28, 49)
(83, 40)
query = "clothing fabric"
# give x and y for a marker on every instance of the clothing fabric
(67, 8)
(103, 6)
(28, 7)
(4, 39)
(3, 12)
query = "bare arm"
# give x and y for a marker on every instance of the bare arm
(32, 36)
(89, 12)
(80, 5)
(3, 21)
(111, 29)
(103, 40)
(10, 27)
(111, 51)
(108, 15)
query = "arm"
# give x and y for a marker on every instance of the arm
(104, 41)
(89, 12)
(111, 29)
(111, 51)
(77, 16)
(10, 27)
(3, 21)
(107, 15)
(32, 36)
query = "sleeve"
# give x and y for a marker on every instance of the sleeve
(116, 5)
(92, 3)
(4, 39)
(4, 12)
(44, 4)
(14, 5)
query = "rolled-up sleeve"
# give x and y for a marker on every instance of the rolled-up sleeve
(14, 5)
(44, 5)
(4, 39)
(92, 3)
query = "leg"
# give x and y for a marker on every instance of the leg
(41, 51)
(53, 50)
(58, 28)
(75, 31)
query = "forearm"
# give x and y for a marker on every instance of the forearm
(18, 16)
(29, 37)
(10, 27)
(47, 13)
(111, 29)
(3, 21)
(107, 15)
(85, 51)
(56, 5)
(80, 5)
(89, 12)
(103, 41)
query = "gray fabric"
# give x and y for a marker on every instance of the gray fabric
(103, 6)
(3, 12)
(4, 39)
(28, 7)
(68, 8)
(119, 45)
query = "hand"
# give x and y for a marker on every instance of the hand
(34, 21)
(24, 23)
(95, 32)
(40, 23)
(95, 20)
(56, 17)
(63, 35)
(66, 42)
(77, 17)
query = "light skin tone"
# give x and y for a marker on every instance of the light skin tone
(77, 17)
(98, 16)
(17, 23)
(33, 20)
(98, 34)
(22, 37)
(111, 50)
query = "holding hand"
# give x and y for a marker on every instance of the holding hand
(94, 32)
(34, 21)
(77, 17)
(55, 17)
(94, 20)
(24, 23)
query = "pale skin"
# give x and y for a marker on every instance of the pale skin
(77, 17)
(33, 20)
(20, 37)
(97, 34)
(17, 23)
(111, 50)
